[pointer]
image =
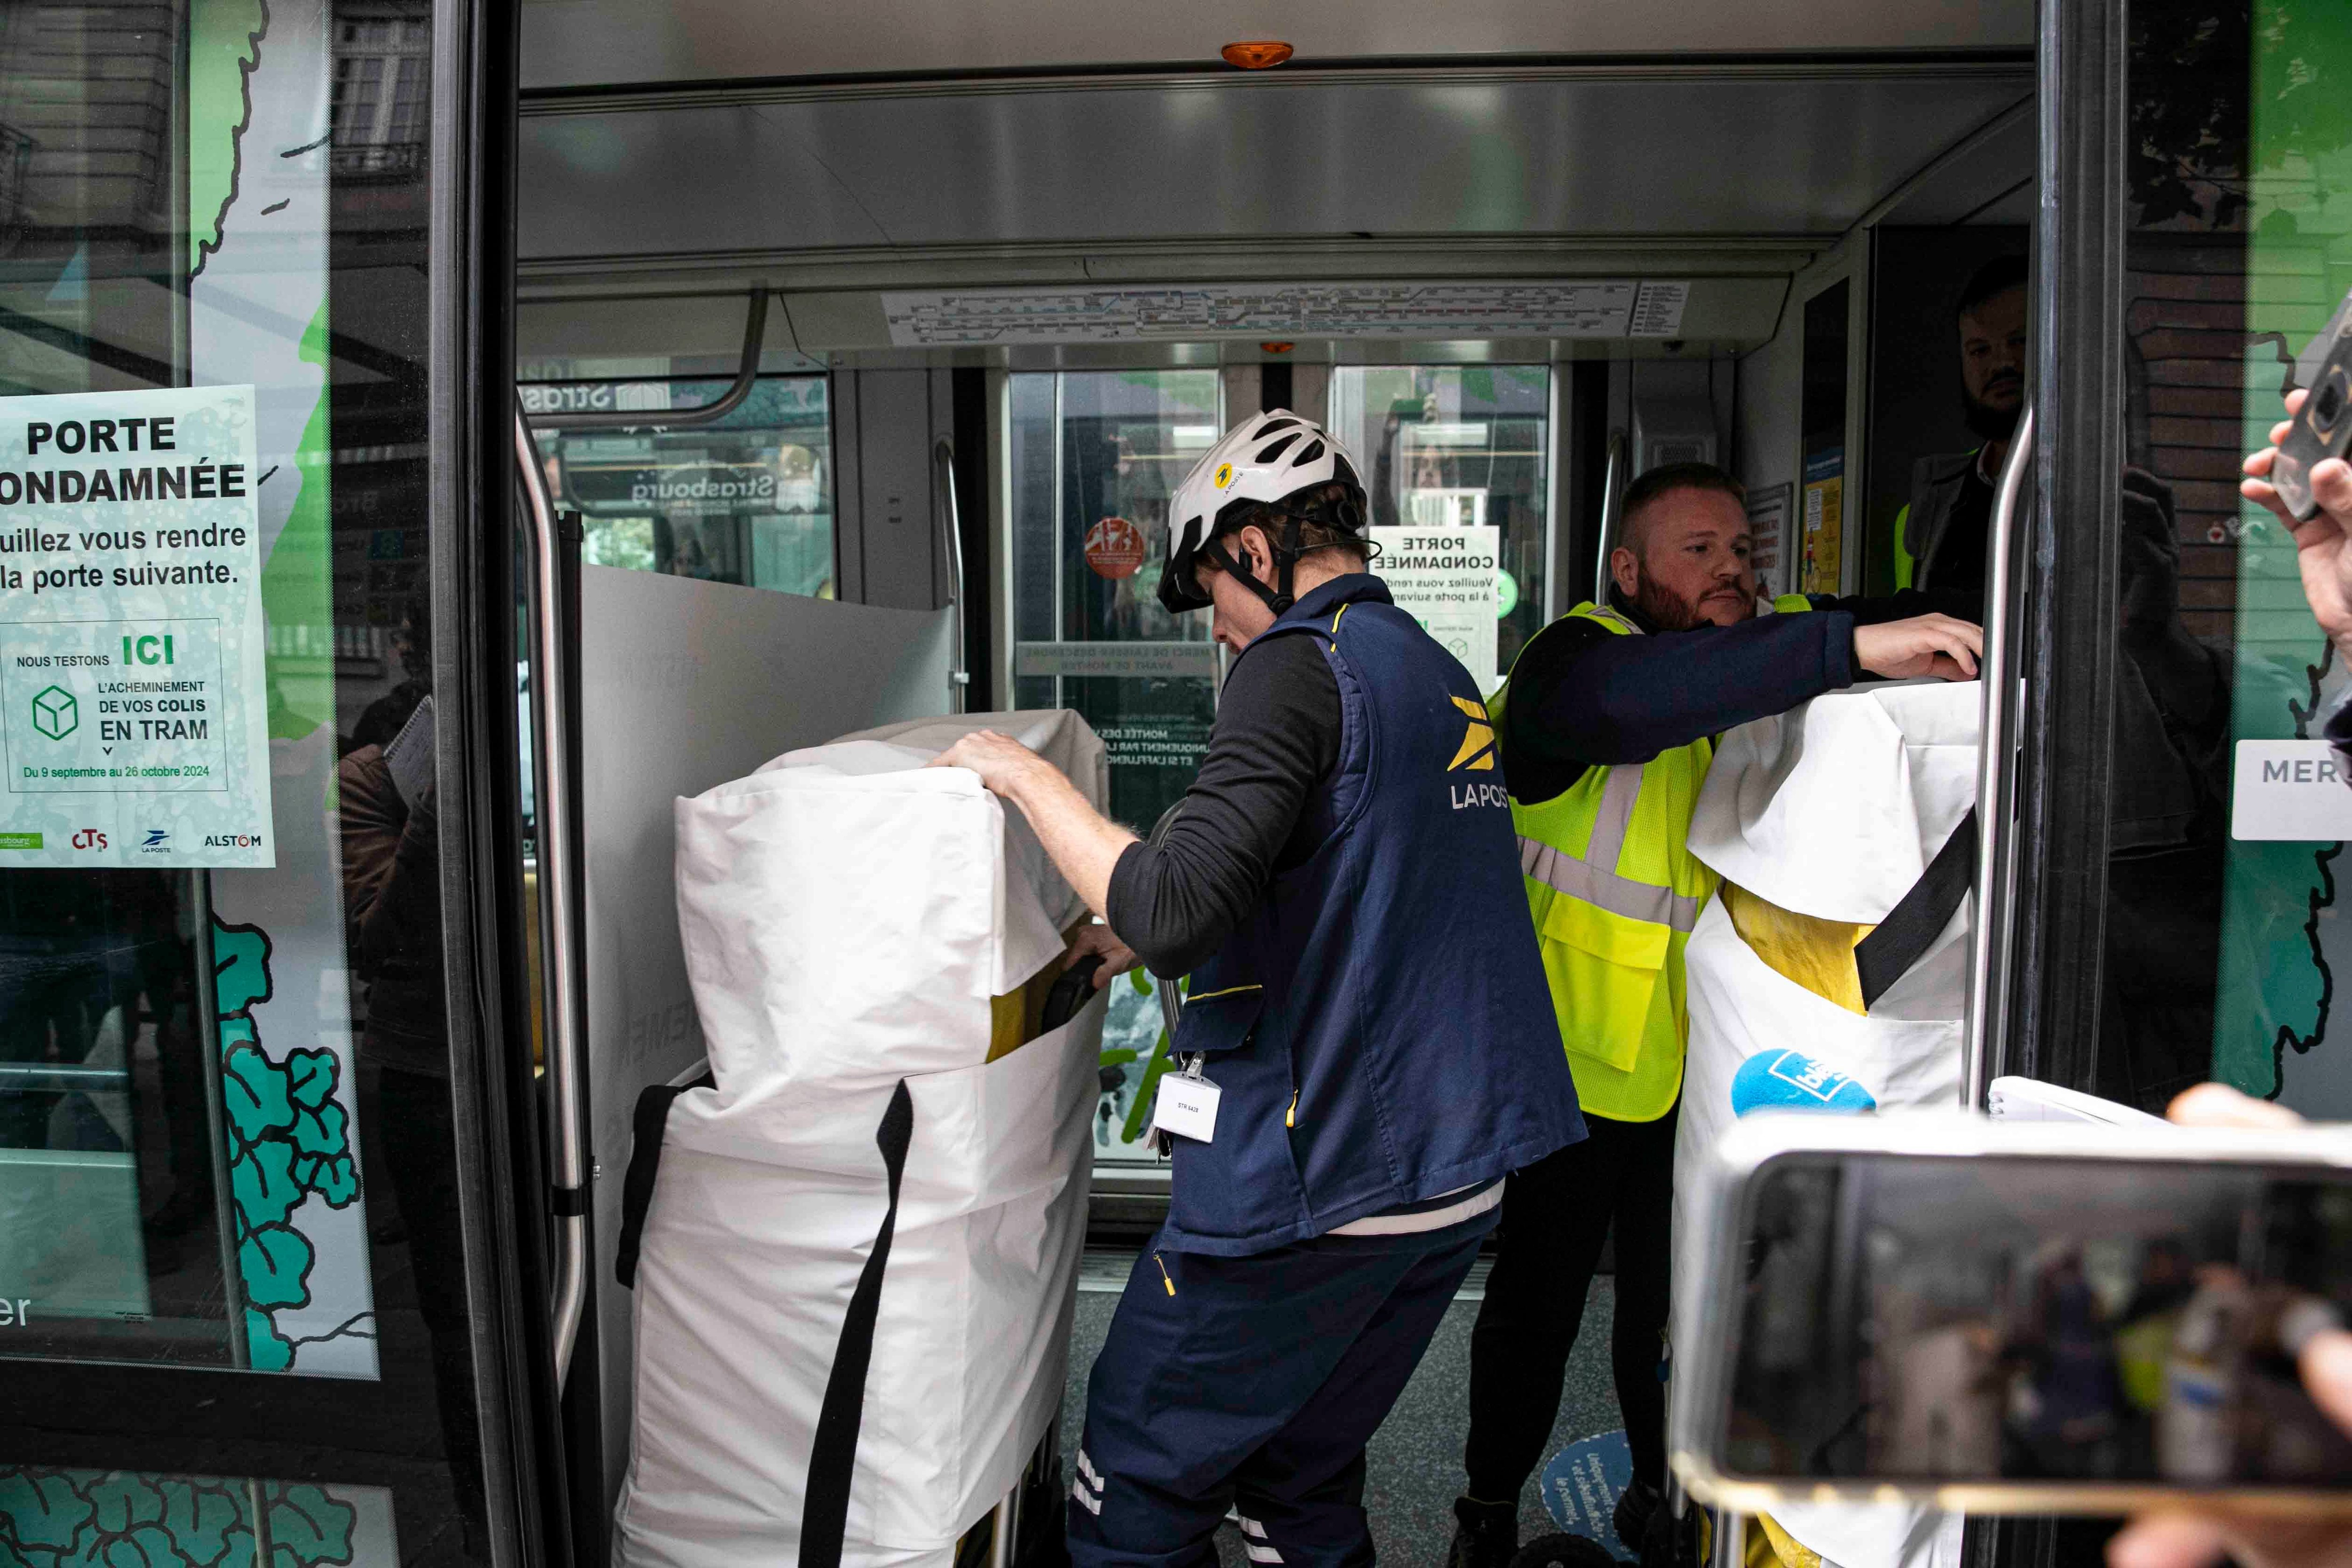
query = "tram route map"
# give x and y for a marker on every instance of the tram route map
(1579, 309)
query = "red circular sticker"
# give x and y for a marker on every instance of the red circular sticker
(1114, 548)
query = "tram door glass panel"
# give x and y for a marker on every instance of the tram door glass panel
(747, 498)
(1094, 458)
(225, 1136)
(1459, 447)
(2226, 948)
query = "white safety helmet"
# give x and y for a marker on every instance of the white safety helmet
(1259, 468)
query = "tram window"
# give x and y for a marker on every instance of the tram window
(746, 500)
(1091, 451)
(1459, 445)
(2223, 952)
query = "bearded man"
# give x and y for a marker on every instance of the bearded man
(1606, 726)
(1943, 529)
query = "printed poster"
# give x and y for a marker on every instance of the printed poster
(133, 706)
(1824, 518)
(1768, 533)
(1448, 579)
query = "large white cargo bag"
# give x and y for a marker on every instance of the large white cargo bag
(1835, 810)
(847, 915)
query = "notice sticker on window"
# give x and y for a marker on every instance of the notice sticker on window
(1448, 579)
(2290, 790)
(133, 700)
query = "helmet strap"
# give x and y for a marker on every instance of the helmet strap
(1278, 598)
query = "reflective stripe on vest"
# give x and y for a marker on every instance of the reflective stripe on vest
(1593, 878)
(1612, 942)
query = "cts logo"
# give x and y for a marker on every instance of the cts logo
(1476, 753)
(157, 842)
(89, 838)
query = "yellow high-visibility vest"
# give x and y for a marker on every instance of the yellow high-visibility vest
(1615, 892)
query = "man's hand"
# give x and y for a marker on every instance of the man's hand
(1083, 844)
(1939, 645)
(2199, 1538)
(1004, 764)
(1117, 958)
(2323, 546)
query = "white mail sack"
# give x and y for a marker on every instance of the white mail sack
(1835, 810)
(847, 914)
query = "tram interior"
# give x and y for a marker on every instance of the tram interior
(1513, 257)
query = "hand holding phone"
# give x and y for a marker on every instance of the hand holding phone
(2196, 1539)
(2022, 1318)
(2319, 426)
(2323, 539)
(2303, 477)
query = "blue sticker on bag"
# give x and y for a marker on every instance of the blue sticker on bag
(1581, 1485)
(1791, 1081)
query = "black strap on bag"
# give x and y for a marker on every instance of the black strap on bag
(1070, 992)
(648, 1124)
(1911, 926)
(833, 1457)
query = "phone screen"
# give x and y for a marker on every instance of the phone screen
(1919, 1318)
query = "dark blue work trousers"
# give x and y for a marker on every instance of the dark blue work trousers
(1253, 1383)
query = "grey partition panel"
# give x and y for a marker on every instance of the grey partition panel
(685, 685)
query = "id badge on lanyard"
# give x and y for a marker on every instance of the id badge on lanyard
(1186, 1107)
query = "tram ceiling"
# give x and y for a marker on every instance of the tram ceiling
(590, 43)
(1037, 182)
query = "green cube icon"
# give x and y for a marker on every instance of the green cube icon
(55, 712)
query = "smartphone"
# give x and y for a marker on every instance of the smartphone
(2034, 1317)
(2323, 429)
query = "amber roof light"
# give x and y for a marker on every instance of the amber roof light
(1257, 55)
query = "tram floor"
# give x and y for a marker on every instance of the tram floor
(1413, 1466)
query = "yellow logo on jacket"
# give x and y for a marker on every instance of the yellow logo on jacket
(1478, 749)
(1475, 755)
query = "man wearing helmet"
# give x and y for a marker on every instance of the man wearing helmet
(1368, 1049)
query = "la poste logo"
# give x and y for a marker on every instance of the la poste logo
(1114, 548)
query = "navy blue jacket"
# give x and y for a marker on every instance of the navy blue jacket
(1583, 698)
(1379, 1024)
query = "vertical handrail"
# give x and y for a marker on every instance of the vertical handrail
(1612, 479)
(1729, 1540)
(1996, 783)
(558, 882)
(958, 672)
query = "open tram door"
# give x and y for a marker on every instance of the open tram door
(274, 1206)
(302, 1255)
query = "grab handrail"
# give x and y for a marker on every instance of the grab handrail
(959, 673)
(1996, 783)
(747, 375)
(1612, 478)
(558, 878)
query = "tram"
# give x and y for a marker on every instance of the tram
(622, 395)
